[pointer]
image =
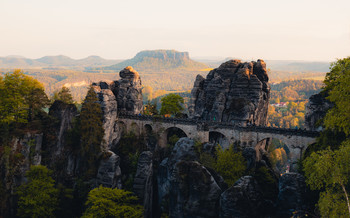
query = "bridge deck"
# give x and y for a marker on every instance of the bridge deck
(223, 125)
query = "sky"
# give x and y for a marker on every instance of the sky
(317, 30)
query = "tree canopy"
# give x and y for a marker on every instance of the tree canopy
(172, 104)
(21, 97)
(39, 197)
(91, 129)
(330, 171)
(64, 95)
(108, 202)
(229, 164)
(337, 86)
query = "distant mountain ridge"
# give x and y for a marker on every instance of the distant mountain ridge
(54, 61)
(280, 65)
(159, 60)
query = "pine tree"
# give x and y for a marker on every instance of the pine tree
(64, 95)
(91, 130)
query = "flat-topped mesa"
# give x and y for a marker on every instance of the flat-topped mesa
(234, 92)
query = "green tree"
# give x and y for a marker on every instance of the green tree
(337, 86)
(38, 197)
(150, 108)
(172, 104)
(91, 130)
(64, 95)
(22, 97)
(108, 202)
(330, 171)
(229, 164)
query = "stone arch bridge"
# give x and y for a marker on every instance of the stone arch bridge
(297, 140)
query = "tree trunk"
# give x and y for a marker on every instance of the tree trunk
(346, 196)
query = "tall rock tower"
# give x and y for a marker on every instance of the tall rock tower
(234, 92)
(125, 96)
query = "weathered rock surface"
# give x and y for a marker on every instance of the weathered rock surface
(234, 92)
(143, 172)
(110, 109)
(292, 194)
(316, 110)
(109, 173)
(188, 187)
(128, 91)
(249, 155)
(243, 199)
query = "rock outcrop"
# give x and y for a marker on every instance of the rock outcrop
(109, 173)
(235, 92)
(316, 110)
(128, 91)
(243, 199)
(292, 195)
(143, 174)
(187, 186)
(121, 96)
(109, 108)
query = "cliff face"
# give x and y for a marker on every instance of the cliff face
(316, 109)
(128, 91)
(235, 92)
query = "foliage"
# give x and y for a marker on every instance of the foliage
(207, 160)
(91, 130)
(230, 164)
(39, 197)
(337, 86)
(330, 171)
(22, 97)
(108, 202)
(150, 108)
(172, 104)
(147, 92)
(64, 95)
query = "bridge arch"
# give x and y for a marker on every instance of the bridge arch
(170, 133)
(135, 128)
(219, 138)
(148, 129)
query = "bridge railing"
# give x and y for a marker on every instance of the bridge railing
(222, 125)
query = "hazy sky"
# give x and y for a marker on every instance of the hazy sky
(115, 29)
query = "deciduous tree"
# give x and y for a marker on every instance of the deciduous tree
(38, 197)
(108, 202)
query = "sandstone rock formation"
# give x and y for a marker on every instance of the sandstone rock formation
(235, 92)
(316, 109)
(292, 195)
(128, 91)
(109, 108)
(122, 96)
(243, 199)
(109, 173)
(189, 187)
(143, 174)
